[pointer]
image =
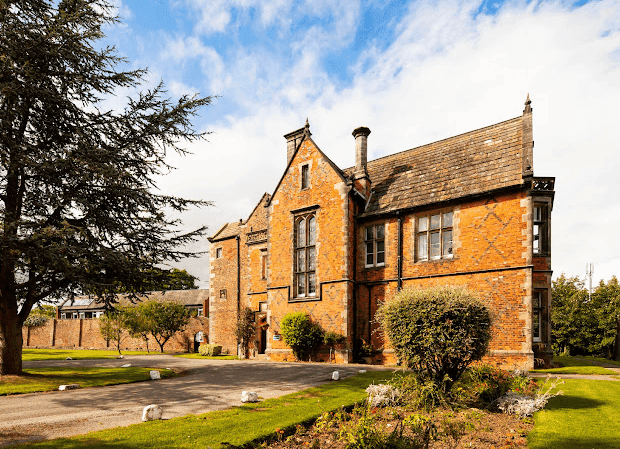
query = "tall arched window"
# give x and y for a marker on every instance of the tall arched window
(305, 256)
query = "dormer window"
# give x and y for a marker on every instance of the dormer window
(305, 177)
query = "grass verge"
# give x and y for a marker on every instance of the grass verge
(586, 416)
(77, 354)
(48, 379)
(215, 357)
(574, 365)
(236, 426)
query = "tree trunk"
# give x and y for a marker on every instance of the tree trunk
(11, 341)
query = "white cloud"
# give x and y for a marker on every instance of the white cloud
(447, 72)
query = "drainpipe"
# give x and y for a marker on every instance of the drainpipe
(400, 252)
(238, 285)
(238, 276)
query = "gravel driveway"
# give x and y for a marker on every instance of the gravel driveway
(208, 385)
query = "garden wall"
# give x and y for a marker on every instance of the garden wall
(84, 334)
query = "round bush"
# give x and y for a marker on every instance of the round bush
(301, 334)
(438, 332)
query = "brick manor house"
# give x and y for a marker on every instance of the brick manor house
(336, 243)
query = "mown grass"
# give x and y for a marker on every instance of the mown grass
(574, 365)
(76, 354)
(602, 360)
(48, 379)
(204, 357)
(586, 416)
(236, 426)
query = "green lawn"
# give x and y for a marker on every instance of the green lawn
(215, 357)
(602, 360)
(47, 379)
(77, 354)
(574, 365)
(586, 416)
(236, 426)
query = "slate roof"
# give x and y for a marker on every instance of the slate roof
(475, 162)
(186, 297)
(228, 230)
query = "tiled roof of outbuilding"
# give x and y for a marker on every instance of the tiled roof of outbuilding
(186, 297)
(475, 162)
(228, 230)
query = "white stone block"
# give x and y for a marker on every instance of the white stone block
(249, 396)
(126, 366)
(335, 375)
(69, 387)
(362, 371)
(152, 412)
(155, 375)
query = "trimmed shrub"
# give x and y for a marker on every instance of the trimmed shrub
(438, 332)
(301, 334)
(209, 350)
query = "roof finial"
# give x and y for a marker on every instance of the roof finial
(528, 102)
(307, 132)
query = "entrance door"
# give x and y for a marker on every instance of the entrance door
(263, 341)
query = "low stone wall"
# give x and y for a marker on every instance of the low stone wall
(85, 334)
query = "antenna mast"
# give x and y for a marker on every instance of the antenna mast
(589, 273)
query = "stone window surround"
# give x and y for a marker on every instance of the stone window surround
(218, 253)
(307, 247)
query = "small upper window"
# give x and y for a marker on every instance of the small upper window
(222, 294)
(374, 239)
(540, 240)
(434, 236)
(263, 263)
(218, 253)
(305, 176)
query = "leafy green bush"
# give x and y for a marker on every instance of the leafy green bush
(438, 332)
(209, 350)
(301, 334)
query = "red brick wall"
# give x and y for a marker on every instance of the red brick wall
(492, 251)
(329, 191)
(68, 335)
(223, 311)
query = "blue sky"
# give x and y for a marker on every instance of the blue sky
(413, 72)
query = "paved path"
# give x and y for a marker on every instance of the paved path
(208, 385)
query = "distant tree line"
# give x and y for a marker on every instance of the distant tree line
(584, 325)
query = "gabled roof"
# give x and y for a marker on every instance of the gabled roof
(235, 228)
(228, 230)
(479, 161)
(306, 136)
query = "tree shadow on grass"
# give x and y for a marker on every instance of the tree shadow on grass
(571, 402)
(584, 442)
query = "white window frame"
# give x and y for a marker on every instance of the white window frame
(372, 243)
(425, 232)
